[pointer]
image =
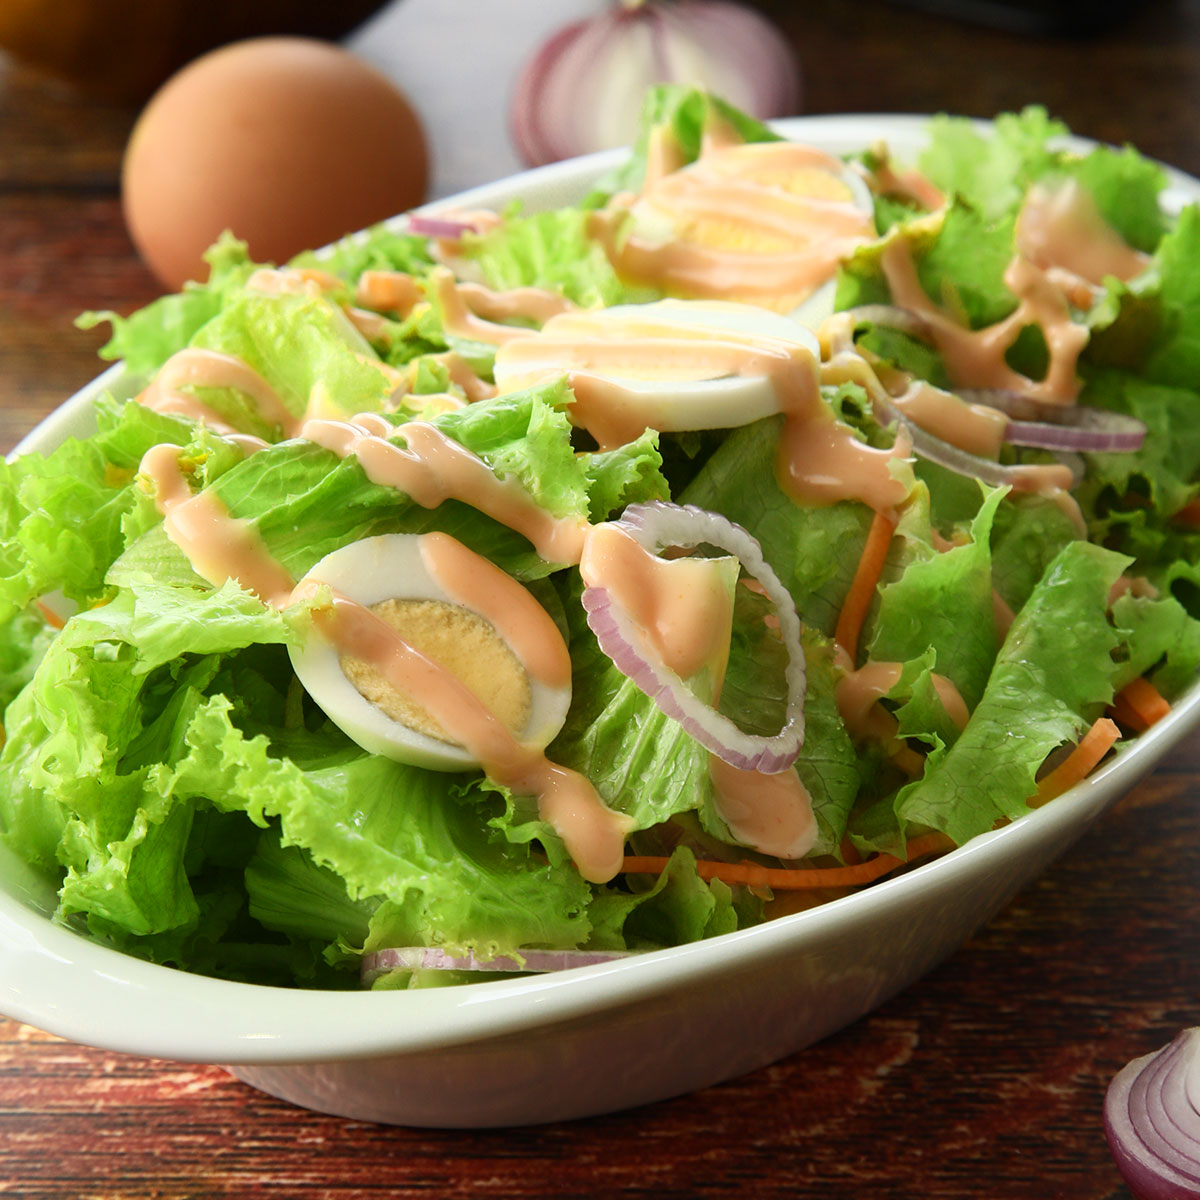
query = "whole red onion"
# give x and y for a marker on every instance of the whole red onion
(583, 89)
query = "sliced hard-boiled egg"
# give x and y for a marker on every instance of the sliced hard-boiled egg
(670, 365)
(461, 611)
(763, 222)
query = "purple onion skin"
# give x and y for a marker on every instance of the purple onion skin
(1131, 1134)
(742, 41)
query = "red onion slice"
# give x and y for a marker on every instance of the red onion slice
(1089, 431)
(655, 526)
(1035, 423)
(961, 462)
(903, 320)
(535, 962)
(1152, 1121)
(439, 227)
(582, 88)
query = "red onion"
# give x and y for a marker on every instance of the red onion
(893, 317)
(961, 462)
(654, 526)
(583, 89)
(430, 958)
(1152, 1121)
(1036, 423)
(438, 227)
(1089, 431)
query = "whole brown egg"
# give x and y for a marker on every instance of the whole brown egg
(287, 142)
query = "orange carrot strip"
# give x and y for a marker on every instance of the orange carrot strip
(49, 615)
(1189, 514)
(1093, 746)
(862, 589)
(1139, 704)
(786, 879)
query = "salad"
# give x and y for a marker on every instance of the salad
(503, 592)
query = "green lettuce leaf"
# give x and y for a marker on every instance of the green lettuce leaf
(1053, 674)
(551, 250)
(945, 603)
(147, 338)
(684, 111)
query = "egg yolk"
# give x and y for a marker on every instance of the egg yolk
(463, 642)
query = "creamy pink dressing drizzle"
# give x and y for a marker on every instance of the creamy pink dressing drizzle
(194, 367)
(797, 239)
(820, 460)
(772, 813)
(685, 611)
(478, 584)
(218, 546)
(976, 357)
(1061, 227)
(679, 603)
(462, 303)
(432, 468)
(858, 691)
(222, 547)
(857, 696)
(461, 375)
(906, 183)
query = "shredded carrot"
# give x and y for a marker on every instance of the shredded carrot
(862, 589)
(1189, 514)
(787, 879)
(1092, 747)
(1139, 704)
(50, 616)
(850, 854)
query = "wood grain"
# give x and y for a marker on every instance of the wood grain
(983, 1080)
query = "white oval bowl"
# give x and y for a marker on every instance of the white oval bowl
(587, 1041)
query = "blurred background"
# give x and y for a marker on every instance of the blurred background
(74, 75)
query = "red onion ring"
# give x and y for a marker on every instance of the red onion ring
(1152, 1121)
(904, 320)
(430, 958)
(1089, 431)
(935, 450)
(438, 227)
(1035, 423)
(654, 526)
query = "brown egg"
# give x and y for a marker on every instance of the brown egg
(287, 142)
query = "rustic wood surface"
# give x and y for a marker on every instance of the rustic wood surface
(983, 1080)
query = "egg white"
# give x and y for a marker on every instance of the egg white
(669, 405)
(657, 226)
(371, 571)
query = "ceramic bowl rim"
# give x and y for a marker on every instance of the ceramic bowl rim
(57, 980)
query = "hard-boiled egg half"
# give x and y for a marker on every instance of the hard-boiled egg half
(670, 365)
(492, 636)
(763, 222)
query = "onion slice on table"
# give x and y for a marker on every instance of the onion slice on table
(655, 526)
(430, 958)
(1152, 1121)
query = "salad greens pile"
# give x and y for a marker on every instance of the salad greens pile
(162, 762)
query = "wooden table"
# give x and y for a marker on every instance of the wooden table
(983, 1080)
